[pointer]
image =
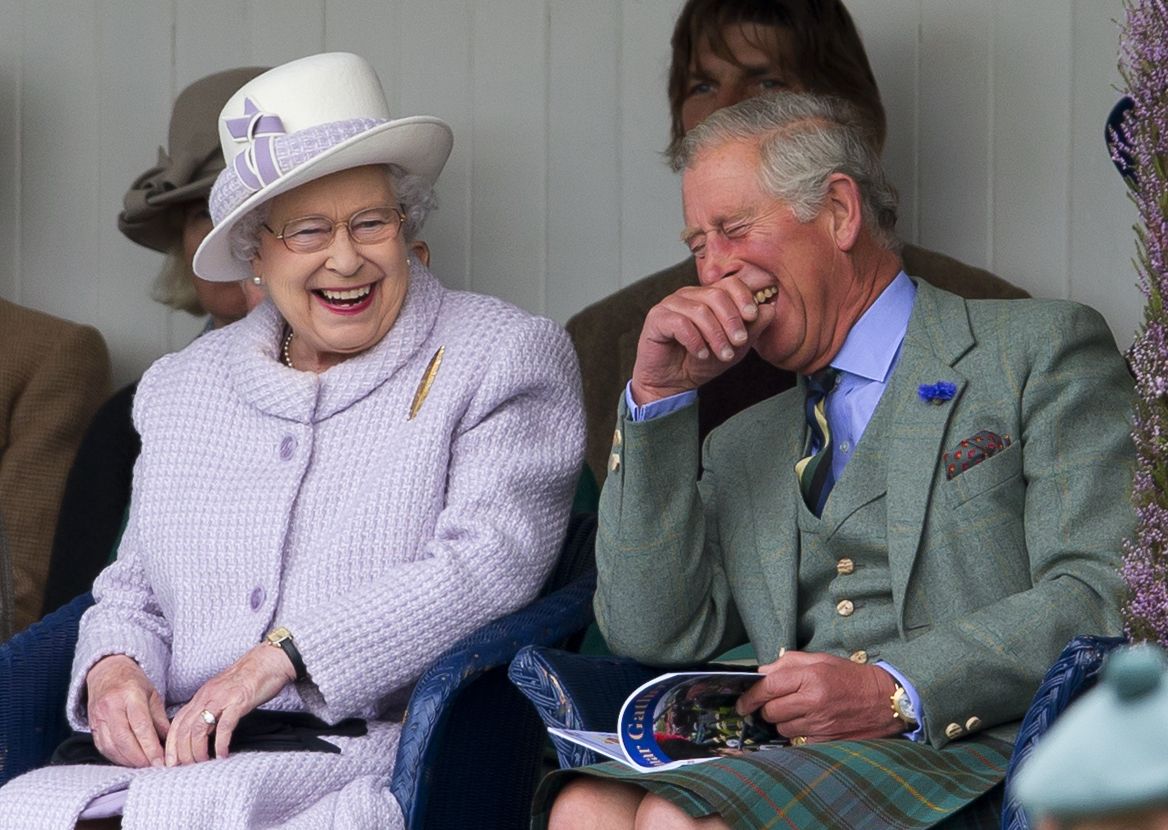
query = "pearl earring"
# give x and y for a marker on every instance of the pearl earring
(258, 280)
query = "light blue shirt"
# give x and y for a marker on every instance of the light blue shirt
(865, 363)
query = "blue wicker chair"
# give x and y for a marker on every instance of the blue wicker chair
(1075, 671)
(471, 746)
(572, 691)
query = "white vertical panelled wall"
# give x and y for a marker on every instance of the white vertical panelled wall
(556, 193)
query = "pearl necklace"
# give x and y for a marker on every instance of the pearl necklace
(287, 350)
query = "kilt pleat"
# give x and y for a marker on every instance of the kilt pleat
(884, 784)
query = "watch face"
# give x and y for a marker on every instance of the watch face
(904, 707)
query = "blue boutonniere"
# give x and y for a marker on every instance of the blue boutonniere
(937, 393)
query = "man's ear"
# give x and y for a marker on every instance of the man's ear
(421, 251)
(844, 210)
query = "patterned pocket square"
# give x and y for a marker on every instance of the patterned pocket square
(972, 451)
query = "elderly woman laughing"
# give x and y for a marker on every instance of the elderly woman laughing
(330, 492)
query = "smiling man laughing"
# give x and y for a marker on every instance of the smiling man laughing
(907, 539)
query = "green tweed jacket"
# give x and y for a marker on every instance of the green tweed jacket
(992, 572)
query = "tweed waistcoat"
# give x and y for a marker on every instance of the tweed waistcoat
(845, 586)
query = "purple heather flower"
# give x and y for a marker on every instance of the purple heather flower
(1144, 66)
(937, 393)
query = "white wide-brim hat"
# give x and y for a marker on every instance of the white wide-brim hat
(298, 122)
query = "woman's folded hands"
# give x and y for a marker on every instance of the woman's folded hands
(129, 721)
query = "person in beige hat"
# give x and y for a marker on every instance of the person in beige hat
(165, 208)
(330, 493)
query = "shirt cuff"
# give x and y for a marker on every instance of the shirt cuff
(917, 734)
(658, 408)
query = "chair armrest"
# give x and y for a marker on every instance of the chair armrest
(572, 691)
(548, 620)
(1074, 672)
(35, 667)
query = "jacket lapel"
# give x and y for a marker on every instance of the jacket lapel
(938, 334)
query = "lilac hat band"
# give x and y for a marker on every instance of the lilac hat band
(272, 153)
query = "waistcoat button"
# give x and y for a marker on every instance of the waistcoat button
(845, 608)
(845, 566)
(860, 657)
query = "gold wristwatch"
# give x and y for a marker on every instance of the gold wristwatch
(902, 708)
(281, 638)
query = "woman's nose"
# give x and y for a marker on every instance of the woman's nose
(343, 256)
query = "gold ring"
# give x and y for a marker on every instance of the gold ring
(799, 740)
(208, 717)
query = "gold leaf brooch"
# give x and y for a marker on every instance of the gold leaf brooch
(427, 381)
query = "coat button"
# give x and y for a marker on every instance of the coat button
(953, 731)
(845, 566)
(973, 724)
(287, 447)
(257, 598)
(860, 657)
(845, 607)
(613, 462)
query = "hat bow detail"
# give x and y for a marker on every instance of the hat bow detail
(256, 166)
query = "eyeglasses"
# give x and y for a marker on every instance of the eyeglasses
(310, 234)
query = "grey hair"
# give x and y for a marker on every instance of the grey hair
(803, 139)
(415, 195)
(174, 286)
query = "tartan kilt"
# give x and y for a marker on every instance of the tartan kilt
(885, 784)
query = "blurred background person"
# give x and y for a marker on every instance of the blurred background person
(166, 207)
(165, 210)
(1103, 765)
(53, 376)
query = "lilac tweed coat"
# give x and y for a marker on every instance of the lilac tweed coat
(265, 496)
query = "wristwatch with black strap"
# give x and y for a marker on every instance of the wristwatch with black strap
(281, 638)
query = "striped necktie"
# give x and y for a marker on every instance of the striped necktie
(814, 471)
